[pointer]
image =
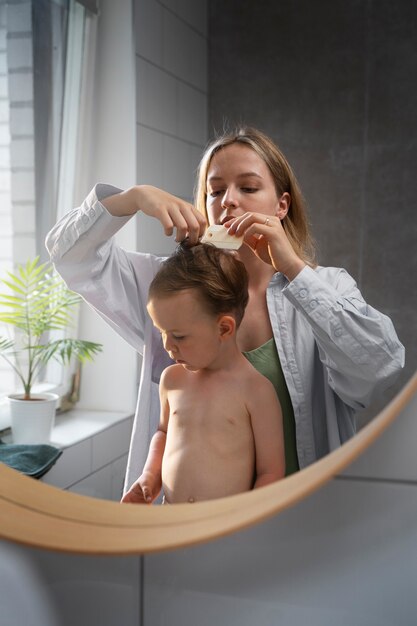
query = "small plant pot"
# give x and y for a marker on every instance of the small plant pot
(32, 420)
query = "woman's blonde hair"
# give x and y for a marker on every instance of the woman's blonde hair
(295, 223)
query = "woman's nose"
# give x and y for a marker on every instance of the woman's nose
(228, 200)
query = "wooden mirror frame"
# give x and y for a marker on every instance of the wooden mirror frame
(41, 516)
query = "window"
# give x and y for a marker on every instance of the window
(42, 46)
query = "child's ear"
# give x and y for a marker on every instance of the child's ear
(227, 326)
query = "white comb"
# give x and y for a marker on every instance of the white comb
(218, 236)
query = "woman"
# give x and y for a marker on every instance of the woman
(307, 328)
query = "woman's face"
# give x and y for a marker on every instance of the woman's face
(238, 182)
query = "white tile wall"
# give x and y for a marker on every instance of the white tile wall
(196, 154)
(6, 249)
(4, 184)
(24, 218)
(20, 52)
(21, 121)
(148, 29)
(149, 155)
(24, 248)
(5, 224)
(171, 71)
(4, 112)
(3, 33)
(4, 156)
(194, 12)
(19, 81)
(156, 98)
(393, 456)
(176, 167)
(5, 203)
(7, 380)
(19, 17)
(23, 187)
(4, 132)
(184, 51)
(21, 86)
(22, 152)
(151, 237)
(192, 114)
(3, 62)
(3, 89)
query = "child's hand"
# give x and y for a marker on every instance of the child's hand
(144, 491)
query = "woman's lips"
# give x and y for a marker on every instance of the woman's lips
(226, 219)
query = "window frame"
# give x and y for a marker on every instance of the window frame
(59, 378)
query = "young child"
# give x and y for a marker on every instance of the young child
(220, 430)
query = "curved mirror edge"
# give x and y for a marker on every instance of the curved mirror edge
(42, 516)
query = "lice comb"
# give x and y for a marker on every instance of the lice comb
(218, 236)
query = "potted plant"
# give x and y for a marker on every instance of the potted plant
(36, 303)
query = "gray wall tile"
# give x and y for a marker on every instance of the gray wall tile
(333, 84)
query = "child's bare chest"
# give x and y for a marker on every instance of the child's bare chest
(208, 408)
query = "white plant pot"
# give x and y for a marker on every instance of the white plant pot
(32, 420)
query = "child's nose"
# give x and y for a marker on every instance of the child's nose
(169, 344)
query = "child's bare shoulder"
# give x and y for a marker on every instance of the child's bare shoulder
(171, 375)
(258, 383)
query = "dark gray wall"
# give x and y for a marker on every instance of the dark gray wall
(334, 83)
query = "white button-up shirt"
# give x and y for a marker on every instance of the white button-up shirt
(337, 352)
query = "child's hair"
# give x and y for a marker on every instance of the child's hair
(295, 223)
(220, 279)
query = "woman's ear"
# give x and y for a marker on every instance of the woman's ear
(284, 203)
(227, 326)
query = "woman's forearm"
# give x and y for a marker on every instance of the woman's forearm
(124, 203)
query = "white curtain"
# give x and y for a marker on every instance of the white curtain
(74, 144)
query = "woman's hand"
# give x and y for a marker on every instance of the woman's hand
(265, 235)
(172, 212)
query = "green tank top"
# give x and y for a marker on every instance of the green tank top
(265, 359)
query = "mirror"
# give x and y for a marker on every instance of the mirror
(346, 177)
(44, 517)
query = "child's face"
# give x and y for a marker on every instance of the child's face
(190, 335)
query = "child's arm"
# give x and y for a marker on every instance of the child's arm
(266, 419)
(149, 484)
